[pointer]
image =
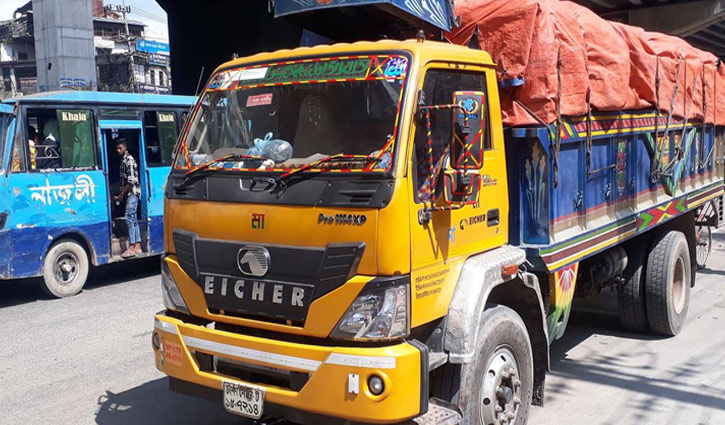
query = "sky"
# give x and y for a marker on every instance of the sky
(146, 11)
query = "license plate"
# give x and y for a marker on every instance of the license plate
(243, 400)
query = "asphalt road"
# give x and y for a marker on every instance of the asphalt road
(88, 359)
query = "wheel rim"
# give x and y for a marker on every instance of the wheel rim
(501, 389)
(679, 286)
(66, 268)
(703, 245)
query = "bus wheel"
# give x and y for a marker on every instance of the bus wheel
(632, 310)
(496, 387)
(65, 269)
(667, 283)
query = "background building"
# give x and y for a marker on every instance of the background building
(99, 48)
(17, 54)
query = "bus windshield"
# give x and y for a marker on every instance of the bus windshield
(282, 116)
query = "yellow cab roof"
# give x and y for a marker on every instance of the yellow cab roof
(422, 51)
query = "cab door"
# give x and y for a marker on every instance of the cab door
(440, 246)
(132, 132)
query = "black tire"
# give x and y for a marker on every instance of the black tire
(501, 328)
(667, 283)
(632, 308)
(703, 235)
(65, 269)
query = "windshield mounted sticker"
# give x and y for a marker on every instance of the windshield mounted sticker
(252, 74)
(259, 100)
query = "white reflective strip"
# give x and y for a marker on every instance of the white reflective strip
(250, 354)
(361, 361)
(165, 326)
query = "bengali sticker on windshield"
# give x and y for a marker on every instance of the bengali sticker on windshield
(259, 100)
(329, 69)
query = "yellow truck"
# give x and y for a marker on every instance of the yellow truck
(352, 235)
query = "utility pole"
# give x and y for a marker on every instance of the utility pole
(124, 10)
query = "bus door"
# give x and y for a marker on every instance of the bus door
(56, 185)
(131, 131)
(160, 132)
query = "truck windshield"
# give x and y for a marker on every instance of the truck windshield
(296, 114)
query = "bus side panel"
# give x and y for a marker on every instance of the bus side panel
(45, 206)
(158, 176)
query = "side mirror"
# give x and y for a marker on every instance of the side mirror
(468, 130)
(461, 180)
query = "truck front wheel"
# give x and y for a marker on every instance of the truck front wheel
(496, 387)
(667, 283)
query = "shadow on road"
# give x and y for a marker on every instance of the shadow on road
(153, 403)
(114, 273)
(635, 370)
(22, 291)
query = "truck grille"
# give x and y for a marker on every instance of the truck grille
(292, 278)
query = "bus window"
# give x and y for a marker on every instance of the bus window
(64, 139)
(18, 160)
(160, 131)
(5, 119)
(119, 114)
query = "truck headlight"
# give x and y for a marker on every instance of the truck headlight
(169, 291)
(379, 312)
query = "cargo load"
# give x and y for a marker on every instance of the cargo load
(560, 59)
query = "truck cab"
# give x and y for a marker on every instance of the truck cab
(334, 219)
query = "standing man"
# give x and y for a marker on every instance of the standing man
(131, 190)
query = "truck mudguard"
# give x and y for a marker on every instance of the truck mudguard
(480, 274)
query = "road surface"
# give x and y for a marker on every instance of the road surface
(88, 359)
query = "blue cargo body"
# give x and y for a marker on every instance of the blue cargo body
(40, 206)
(590, 193)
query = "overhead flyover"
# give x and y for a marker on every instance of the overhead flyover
(701, 23)
(205, 34)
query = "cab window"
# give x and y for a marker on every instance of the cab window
(160, 132)
(438, 88)
(61, 139)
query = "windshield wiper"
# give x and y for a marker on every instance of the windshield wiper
(339, 157)
(204, 169)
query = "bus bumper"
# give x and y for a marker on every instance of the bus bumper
(302, 382)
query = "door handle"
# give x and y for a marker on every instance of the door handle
(492, 218)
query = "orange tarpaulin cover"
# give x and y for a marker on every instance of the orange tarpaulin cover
(605, 66)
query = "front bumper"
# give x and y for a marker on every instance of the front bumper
(185, 349)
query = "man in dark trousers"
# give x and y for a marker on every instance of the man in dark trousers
(131, 190)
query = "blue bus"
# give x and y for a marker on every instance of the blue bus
(60, 171)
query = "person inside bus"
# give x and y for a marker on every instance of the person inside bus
(131, 191)
(48, 151)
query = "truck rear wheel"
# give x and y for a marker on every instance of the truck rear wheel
(632, 309)
(65, 269)
(667, 283)
(703, 235)
(496, 387)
